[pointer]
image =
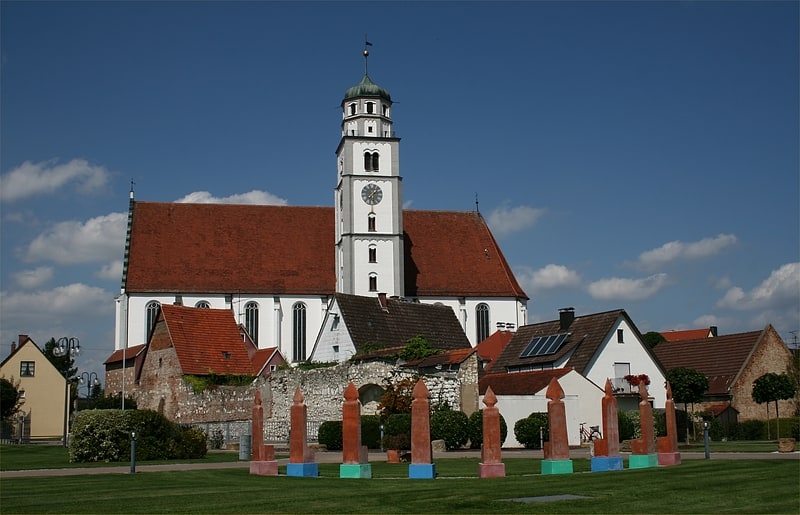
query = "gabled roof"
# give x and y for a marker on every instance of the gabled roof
(371, 325)
(23, 342)
(520, 383)
(130, 353)
(262, 357)
(720, 358)
(225, 248)
(206, 340)
(490, 348)
(687, 334)
(587, 334)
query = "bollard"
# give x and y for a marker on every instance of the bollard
(133, 452)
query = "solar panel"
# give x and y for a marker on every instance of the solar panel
(544, 345)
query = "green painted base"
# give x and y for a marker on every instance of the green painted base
(355, 470)
(556, 466)
(642, 461)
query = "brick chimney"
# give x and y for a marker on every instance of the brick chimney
(566, 316)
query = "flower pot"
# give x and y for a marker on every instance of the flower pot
(392, 456)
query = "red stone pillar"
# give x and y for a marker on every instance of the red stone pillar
(491, 464)
(263, 461)
(301, 457)
(668, 445)
(557, 460)
(354, 456)
(421, 466)
(644, 449)
(606, 449)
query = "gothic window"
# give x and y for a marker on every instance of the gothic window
(373, 254)
(373, 282)
(150, 315)
(372, 161)
(203, 304)
(299, 332)
(482, 322)
(251, 320)
(370, 107)
(371, 222)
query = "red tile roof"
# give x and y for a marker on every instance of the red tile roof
(687, 334)
(214, 248)
(130, 352)
(719, 358)
(262, 357)
(491, 347)
(520, 383)
(206, 340)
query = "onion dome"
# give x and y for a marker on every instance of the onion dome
(367, 88)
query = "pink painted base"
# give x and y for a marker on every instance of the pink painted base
(264, 468)
(492, 469)
(667, 459)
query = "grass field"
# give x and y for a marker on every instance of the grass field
(696, 486)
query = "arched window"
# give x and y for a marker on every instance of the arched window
(481, 322)
(251, 320)
(299, 332)
(352, 109)
(372, 161)
(370, 107)
(203, 304)
(371, 222)
(150, 315)
(373, 282)
(373, 254)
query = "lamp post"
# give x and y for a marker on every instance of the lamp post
(67, 346)
(86, 378)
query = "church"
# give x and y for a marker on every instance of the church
(277, 268)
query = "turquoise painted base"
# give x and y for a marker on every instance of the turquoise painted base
(422, 471)
(606, 463)
(355, 470)
(302, 469)
(642, 461)
(556, 466)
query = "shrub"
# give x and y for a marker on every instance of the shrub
(156, 436)
(751, 430)
(193, 443)
(527, 430)
(330, 435)
(476, 429)
(397, 431)
(371, 431)
(450, 426)
(99, 435)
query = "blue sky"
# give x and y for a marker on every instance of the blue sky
(636, 155)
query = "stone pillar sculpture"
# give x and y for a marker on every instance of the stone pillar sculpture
(491, 464)
(301, 457)
(606, 449)
(668, 445)
(354, 455)
(421, 466)
(263, 461)
(644, 448)
(556, 451)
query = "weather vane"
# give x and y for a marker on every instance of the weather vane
(366, 54)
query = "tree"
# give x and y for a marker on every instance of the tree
(397, 397)
(688, 386)
(64, 364)
(417, 347)
(773, 387)
(10, 400)
(653, 338)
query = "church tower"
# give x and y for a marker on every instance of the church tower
(369, 200)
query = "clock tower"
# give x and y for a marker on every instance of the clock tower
(369, 214)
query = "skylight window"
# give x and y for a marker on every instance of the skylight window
(544, 345)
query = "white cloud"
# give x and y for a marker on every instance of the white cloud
(618, 288)
(778, 290)
(111, 271)
(251, 197)
(99, 239)
(505, 221)
(46, 306)
(29, 279)
(550, 277)
(30, 179)
(675, 250)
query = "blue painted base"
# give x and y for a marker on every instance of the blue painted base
(606, 463)
(422, 471)
(355, 470)
(642, 461)
(302, 469)
(556, 466)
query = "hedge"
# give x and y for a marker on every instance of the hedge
(450, 426)
(476, 430)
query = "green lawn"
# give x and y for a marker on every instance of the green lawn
(696, 486)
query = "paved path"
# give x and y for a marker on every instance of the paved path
(336, 457)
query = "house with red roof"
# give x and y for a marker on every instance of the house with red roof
(491, 347)
(277, 268)
(732, 362)
(689, 334)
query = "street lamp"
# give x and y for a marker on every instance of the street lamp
(67, 346)
(86, 378)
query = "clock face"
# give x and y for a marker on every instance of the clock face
(371, 194)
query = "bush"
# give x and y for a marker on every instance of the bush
(450, 426)
(476, 430)
(527, 430)
(397, 431)
(751, 430)
(371, 431)
(629, 427)
(330, 435)
(105, 435)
